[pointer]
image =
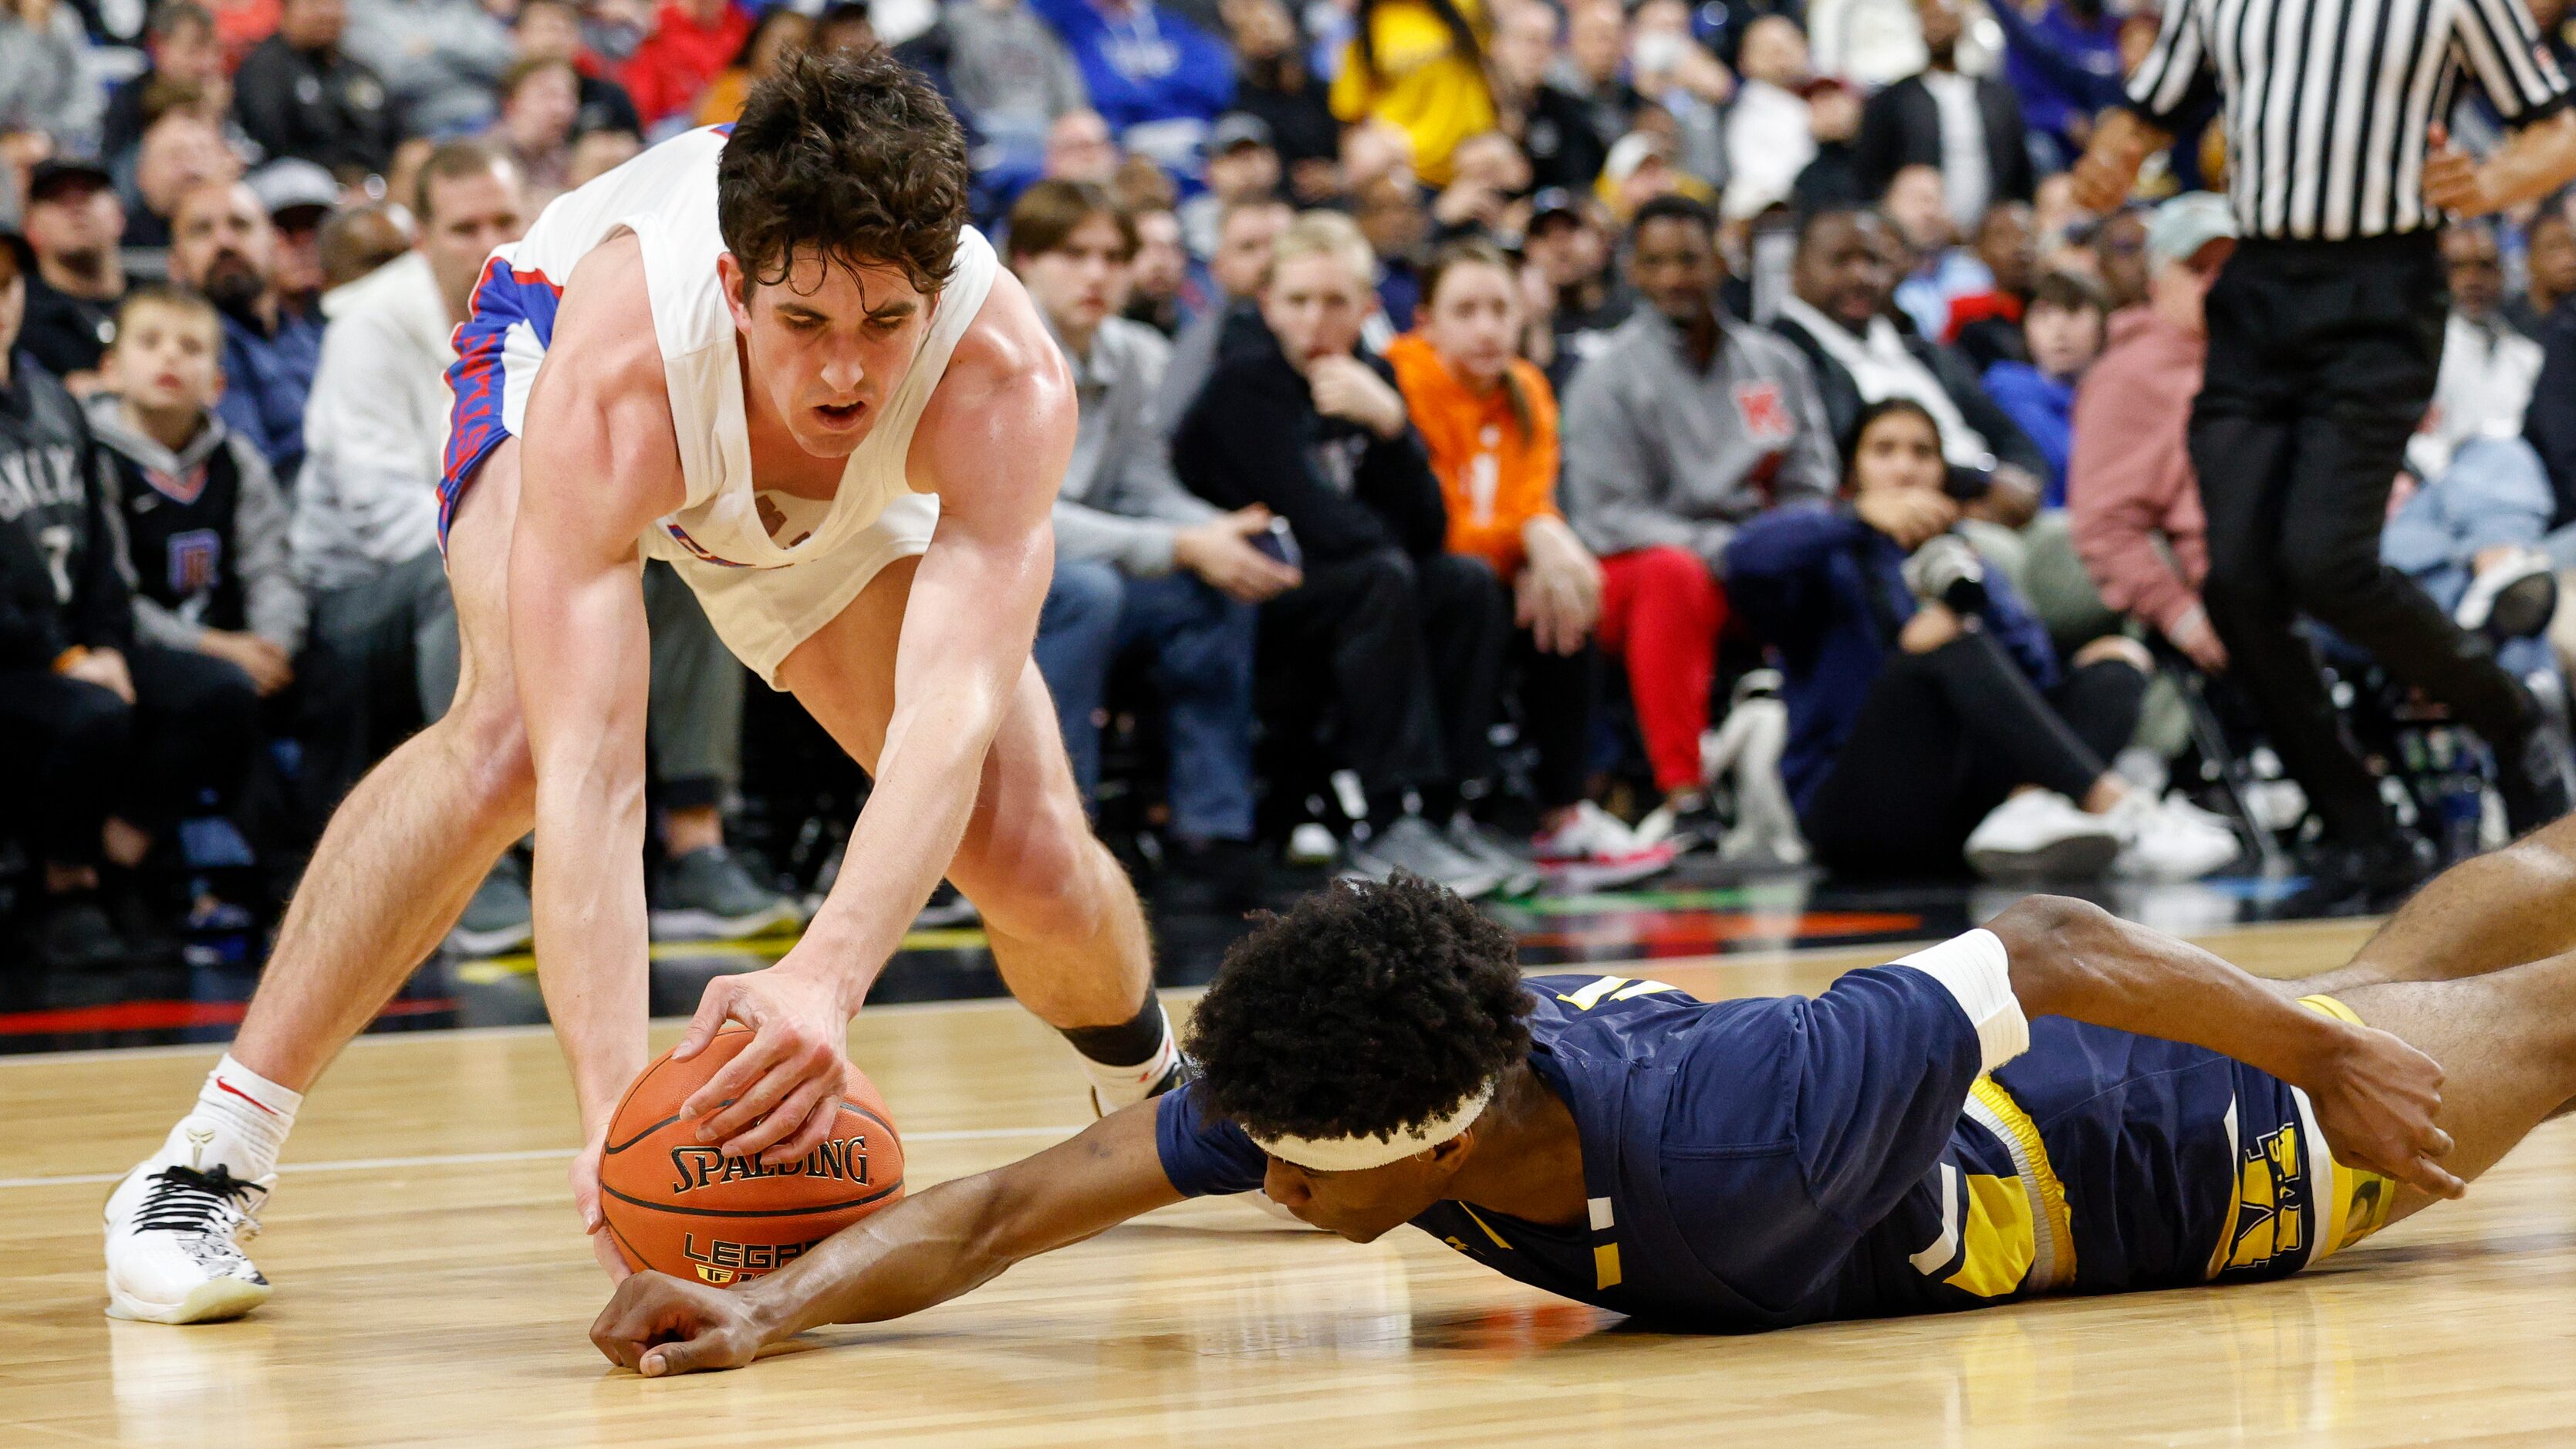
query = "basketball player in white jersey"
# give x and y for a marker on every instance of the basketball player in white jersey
(778, 359)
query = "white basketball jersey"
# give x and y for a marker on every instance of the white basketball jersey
(667, 198)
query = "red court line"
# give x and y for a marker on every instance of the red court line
(1701, 930)
(165, 1015)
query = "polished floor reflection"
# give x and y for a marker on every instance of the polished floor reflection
(433, 1289)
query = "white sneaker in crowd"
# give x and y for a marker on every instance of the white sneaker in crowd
(2040, 835)
(2170, 840)
(1311, 844)
(1472, 838)
(1593, 850)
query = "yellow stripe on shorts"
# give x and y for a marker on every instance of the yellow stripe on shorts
(2357, 1204)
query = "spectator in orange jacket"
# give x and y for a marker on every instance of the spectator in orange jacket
(1488, 419)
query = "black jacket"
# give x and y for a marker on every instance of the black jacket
(1254, 436)
(317, 104)
(2550, 423)
(62, 578)
(1901, 127)
(1957, 378)
(1564, 149)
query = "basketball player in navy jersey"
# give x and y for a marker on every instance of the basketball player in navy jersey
(2061, 1102)
(773, 355)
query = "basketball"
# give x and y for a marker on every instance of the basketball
(679, 1206)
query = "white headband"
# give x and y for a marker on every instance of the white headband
(1358, 1154)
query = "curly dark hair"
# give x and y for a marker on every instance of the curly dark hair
(1365, 1010)
(851, 154)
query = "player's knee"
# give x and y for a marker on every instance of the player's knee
(1042, 878)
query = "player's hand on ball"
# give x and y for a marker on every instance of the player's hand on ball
(585, 1200)
(2376, 1098)
(772, 1101)
(659, 1325)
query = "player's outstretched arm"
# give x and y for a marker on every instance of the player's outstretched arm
(597, 462)
(2374, 1095)
(921, 1251)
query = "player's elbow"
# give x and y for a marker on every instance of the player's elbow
(2050, 939)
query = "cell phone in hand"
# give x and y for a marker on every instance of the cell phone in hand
(1280, 542)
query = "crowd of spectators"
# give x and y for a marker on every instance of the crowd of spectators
(1519, 440)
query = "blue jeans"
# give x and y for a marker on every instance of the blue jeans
(1202, 644)
(2494, 493)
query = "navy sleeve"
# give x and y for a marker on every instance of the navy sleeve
(1798, 1125)
(1201, 1157)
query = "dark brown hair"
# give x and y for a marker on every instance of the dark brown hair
(520, 71)
(453, 161)
(1051, 211)
(2067, 293)
(851, 155)
(1476, 251)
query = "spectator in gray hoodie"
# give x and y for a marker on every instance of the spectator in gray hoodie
(1685, 424)
(1141, 564)
(45, 84)
(440, 59)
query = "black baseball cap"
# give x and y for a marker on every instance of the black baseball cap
(1554, 201)
(54, 170)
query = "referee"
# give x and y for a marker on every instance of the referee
(2325, 332)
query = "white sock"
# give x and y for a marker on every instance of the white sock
(240, 1121)
(1126, 1086)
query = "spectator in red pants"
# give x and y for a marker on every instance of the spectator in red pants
(1687, 424)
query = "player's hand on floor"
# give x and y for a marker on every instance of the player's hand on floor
(659, 1325)
(773, 1100)
(2376, 1098)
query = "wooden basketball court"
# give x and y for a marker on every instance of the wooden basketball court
(434, 1289)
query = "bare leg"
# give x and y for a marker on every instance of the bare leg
(404, 852)
(2507, 1044)
(2499, 909)
(1065, 925)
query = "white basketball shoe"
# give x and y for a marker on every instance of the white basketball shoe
(174, 1238)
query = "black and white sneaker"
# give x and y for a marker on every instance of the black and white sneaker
(498, 920)
(174, 1238)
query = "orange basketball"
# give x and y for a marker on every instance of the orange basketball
(679, 1206)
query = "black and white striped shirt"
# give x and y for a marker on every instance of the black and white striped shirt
(2328, 102)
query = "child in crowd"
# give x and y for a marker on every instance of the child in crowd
(205, 526)
(2062, 330)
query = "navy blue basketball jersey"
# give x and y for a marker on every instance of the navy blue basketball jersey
(1773, 1161)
